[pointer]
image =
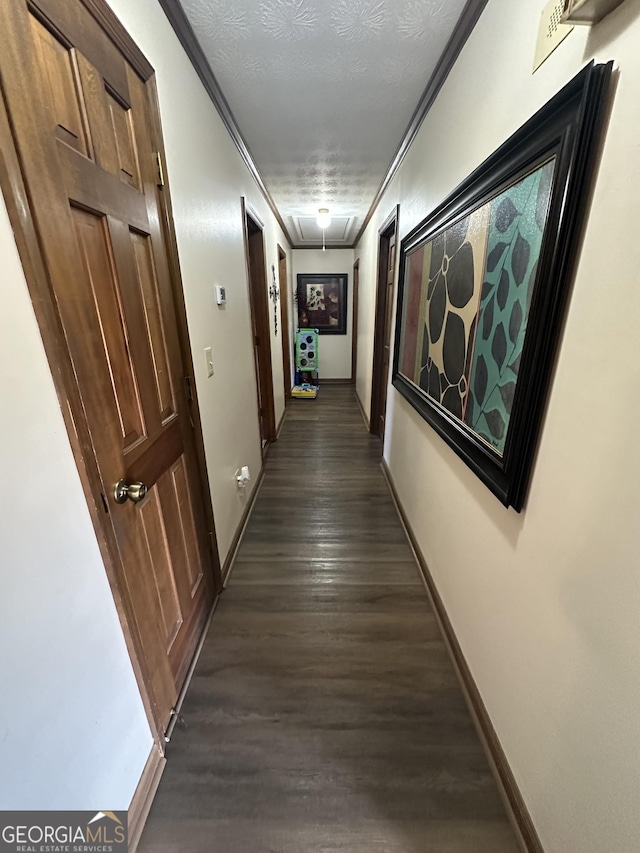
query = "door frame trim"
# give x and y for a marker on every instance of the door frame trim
(250, 210)
(270, 403)
(283, 293)
(391, 222)
(12, 184)
(355, 284)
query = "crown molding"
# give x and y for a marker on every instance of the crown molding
(469, 18)
(183, 29)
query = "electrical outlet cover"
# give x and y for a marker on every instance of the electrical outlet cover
(551, 32)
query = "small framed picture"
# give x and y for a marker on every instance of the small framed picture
(322, 302)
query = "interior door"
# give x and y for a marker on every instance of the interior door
(382, 330)
(354, 327)
(83, 126)
(259, 308)
(283, 288)
(386, 340)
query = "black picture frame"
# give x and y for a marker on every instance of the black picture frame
(549, 161)
(326, 309)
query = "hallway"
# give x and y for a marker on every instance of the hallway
(324, 714)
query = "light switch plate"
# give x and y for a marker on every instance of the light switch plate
(209, 360)
(551, 32)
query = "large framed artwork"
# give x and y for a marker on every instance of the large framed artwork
(322, 302)
(483, 285)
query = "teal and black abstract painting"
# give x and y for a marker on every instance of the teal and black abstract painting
(516, 227)
(469, 290)
(484, 283)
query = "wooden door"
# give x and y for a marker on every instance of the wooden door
(283, 286)
(382, 331)
(354, 328)
(386, 334)
(259, 307)
(83, 125)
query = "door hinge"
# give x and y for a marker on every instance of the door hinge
(256, 340)
(261, 412)
(160, 170)
(176, 717)
(187, 382)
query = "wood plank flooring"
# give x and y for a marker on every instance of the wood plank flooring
(324, 714)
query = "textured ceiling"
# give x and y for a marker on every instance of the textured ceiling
(322, 91)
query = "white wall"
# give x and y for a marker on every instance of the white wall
(334, 350)
(545, 603)
(73, 731)
(207, 178)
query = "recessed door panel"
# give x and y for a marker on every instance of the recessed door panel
(100, 277)
(124, 141)
(188, 544)
(160, 563)
(148, 285)
(59, 79)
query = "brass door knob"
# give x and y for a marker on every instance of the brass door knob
(135, 492)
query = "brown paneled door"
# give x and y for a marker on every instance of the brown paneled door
(383, 325)
(283, 287)
(83, 125)
(386, 335)
(259, 309)
(354, 329)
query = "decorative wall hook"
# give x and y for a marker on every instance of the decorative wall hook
(274, 293)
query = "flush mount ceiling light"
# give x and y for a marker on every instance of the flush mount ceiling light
(324, 221)
(324, 218)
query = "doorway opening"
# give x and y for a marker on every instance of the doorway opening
(258, 302)
(354, 329)
(283, 287)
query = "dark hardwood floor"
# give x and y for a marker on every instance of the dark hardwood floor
(324, 714)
